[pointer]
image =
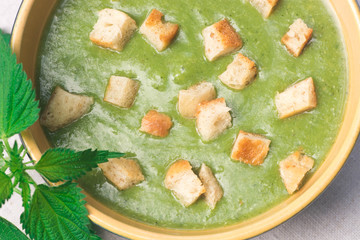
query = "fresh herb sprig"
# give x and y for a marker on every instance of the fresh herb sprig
(49, 212)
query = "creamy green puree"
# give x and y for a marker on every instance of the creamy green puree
(69, 59)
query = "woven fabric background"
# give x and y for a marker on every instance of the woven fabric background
(334, 215)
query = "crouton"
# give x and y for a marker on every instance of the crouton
(240, 73)
(250, 148)
(220, 39)
(113, 29)
(121, 91)
(293, 170)
(189, 99)
(213, 118)
(265, 7)
(297, 37)
(213, 189)
(157, 124)
(183, 182)
(159, 33)
(64, 108)
(296, 99)
(123, 173)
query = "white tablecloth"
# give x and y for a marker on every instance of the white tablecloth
(334, 215)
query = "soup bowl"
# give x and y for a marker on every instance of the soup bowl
(27, 34)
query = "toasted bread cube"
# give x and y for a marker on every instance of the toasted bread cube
(121, 91)
(213, 189)
(157, 124)
(240, 73)
(183, 182)
(64, 108)
(265, 7)
(159, 33)
(296, 99)
(213, 118)
(123, 173)
(113, 29)
(297, 37)
(189, 99)
(250, 148)
(293, 170)
(220, 39)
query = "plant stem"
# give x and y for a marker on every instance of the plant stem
(17, 191)
(9, 150)
(21, 148)
(24, 154)
(29, 179)
(29, 168)
(16, 180)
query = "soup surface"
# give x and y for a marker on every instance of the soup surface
(69, 59)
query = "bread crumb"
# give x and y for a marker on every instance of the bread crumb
(183, 182)
(113, 29)
(240, 73)
(250, 148)
(297, 37)
(64, 108)
(159, 33)
(213, 118)
(156, 124)
(296, 99)
(220, 39)
(123, 173)
(293, 170)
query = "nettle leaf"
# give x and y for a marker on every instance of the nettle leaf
(1, 149)
(94, 237)
(65, 164)
(2, 161)
(6, 188)
(9, 232)
(6, 37)
(17, 149)
(15, 164)
(26, 198)
(58, 213)
(18, 108)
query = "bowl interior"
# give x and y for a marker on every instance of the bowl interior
(27, 34)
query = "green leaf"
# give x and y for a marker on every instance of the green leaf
(2, 161)
(6, 188)
(9, 232)
(6, 37)
(17, 149)
(1, 149)
(65, 164)
(95, 237)
(16, 165)
(58, 213)
(18, 108)
(26, 196)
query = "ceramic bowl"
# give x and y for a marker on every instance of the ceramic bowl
(27, 34)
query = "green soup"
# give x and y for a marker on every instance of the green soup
(69, 59)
